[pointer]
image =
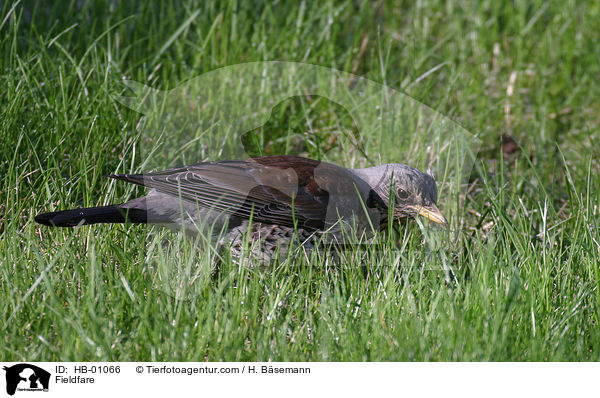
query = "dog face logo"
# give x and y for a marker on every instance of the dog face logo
(26, 377)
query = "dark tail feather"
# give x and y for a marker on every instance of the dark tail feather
(92, 215)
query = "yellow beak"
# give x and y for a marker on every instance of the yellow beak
(432, 213)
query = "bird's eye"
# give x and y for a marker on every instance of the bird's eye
(402, 194)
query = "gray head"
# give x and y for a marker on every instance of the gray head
(413, 192)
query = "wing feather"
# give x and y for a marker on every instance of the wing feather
(274, 189)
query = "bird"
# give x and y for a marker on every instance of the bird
(269, 199)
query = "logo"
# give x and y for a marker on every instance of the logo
(247, 110)
(26, 377)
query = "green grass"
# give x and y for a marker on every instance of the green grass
(525, 258)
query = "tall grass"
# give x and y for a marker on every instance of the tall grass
(525, 265)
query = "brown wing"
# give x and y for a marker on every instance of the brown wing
(271, 189)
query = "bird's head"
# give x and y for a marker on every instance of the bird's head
(411, 191)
